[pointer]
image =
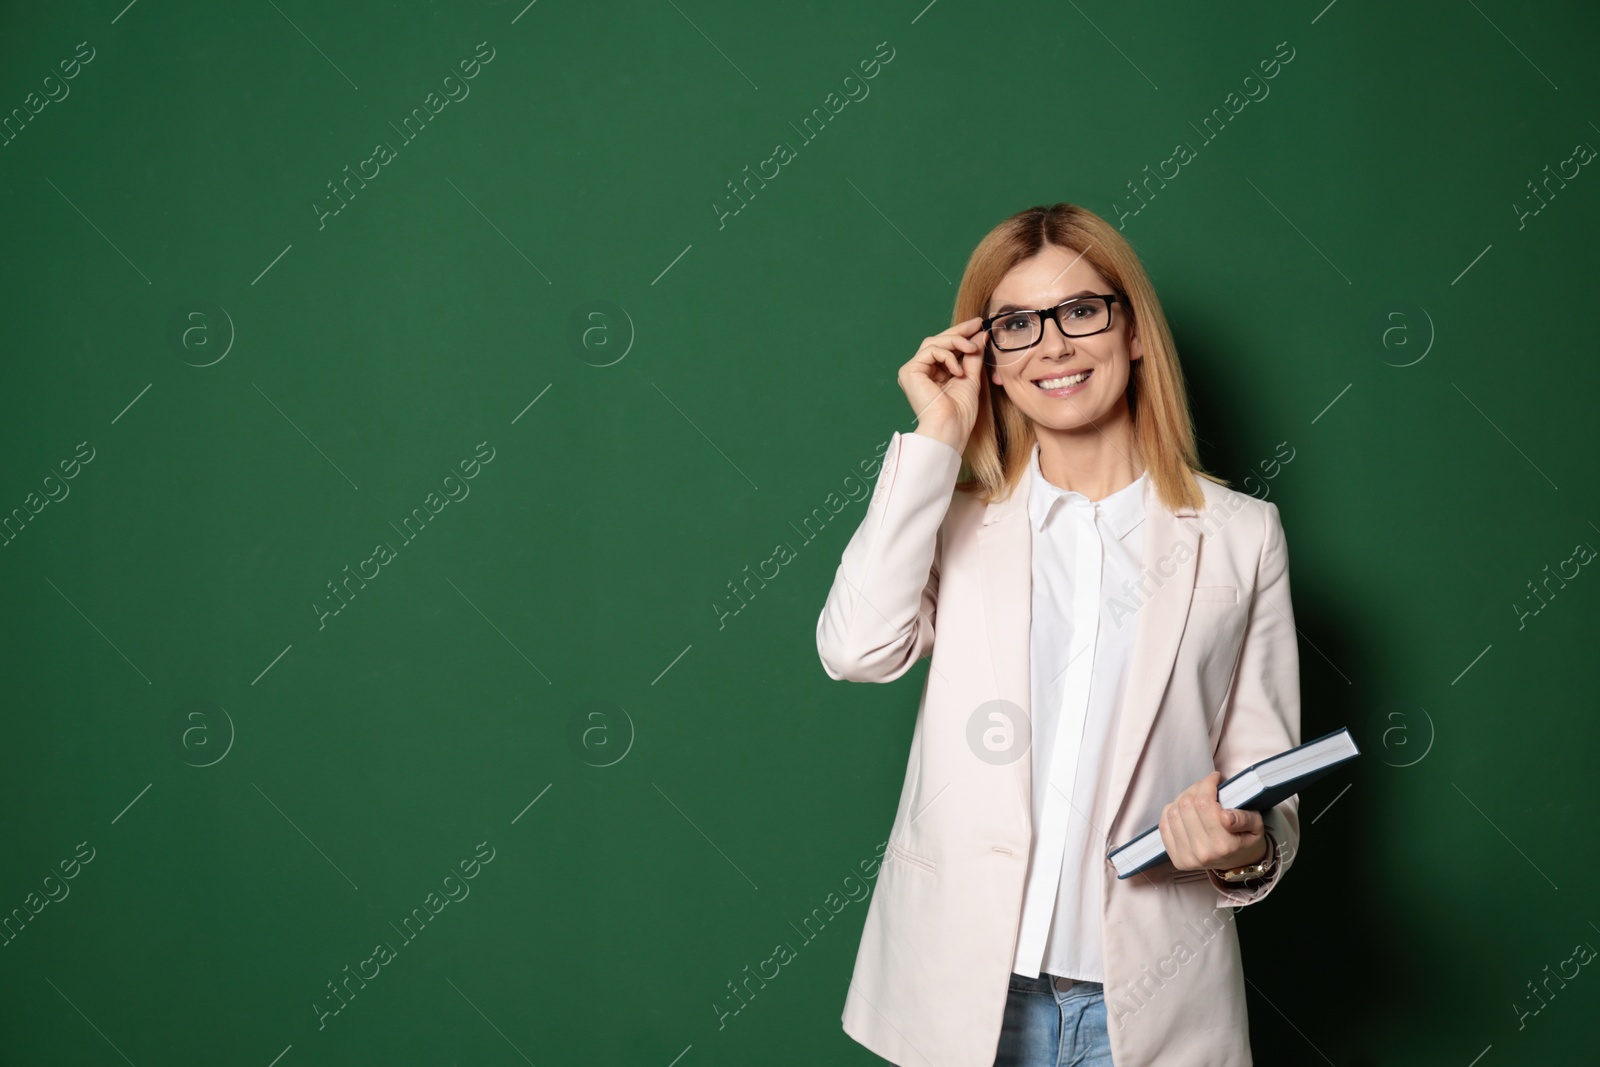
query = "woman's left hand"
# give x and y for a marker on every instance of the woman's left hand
(1200, 833)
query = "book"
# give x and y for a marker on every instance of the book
(1258, 787)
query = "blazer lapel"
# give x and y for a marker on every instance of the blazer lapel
(1171, 558)
(1005, 544)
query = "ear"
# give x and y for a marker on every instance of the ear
(1135, 349)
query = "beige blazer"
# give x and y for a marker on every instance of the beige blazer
(1214, 685)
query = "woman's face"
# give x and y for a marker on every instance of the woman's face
(1049, 278)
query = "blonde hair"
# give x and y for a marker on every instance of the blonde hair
(997, 453)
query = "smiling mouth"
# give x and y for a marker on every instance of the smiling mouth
(1065, 382)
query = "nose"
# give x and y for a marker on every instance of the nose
(1060, 343)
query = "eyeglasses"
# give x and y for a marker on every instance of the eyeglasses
(1011, 331)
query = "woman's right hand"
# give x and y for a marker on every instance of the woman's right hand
(942, 380)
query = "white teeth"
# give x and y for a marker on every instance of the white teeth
(1062, 383)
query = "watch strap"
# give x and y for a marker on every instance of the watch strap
(1249, 871)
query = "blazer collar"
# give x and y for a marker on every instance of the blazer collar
(1170, 557)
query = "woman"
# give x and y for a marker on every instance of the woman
(1111, 636)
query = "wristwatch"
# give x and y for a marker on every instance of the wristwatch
(1252, 870)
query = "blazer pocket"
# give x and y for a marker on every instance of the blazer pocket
(1217, 594)
(910, 857)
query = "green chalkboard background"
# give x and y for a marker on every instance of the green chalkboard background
(600, 385)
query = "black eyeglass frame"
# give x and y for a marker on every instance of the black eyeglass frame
(1052, 313)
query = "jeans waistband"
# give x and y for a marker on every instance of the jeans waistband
(1050, 983)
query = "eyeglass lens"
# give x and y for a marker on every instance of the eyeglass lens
(1076, 318)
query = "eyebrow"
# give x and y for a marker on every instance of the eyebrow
(1003, 308)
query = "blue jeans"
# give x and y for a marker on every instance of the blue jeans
(1050, 1026)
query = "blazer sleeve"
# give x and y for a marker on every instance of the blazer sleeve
(1262, 709)
(878, 618)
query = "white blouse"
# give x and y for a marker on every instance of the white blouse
(1083, 552)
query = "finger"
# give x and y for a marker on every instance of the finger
(951, 361)
(1176, 837)
(931, 354)
(962, 331)
(1241, 821)
(1198, 831)
(957, 361)
(958, 336)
